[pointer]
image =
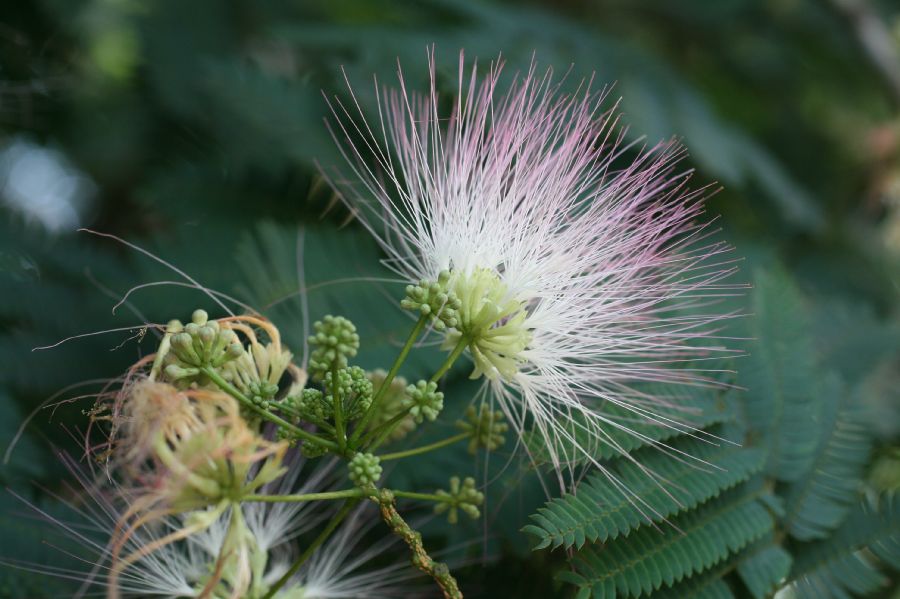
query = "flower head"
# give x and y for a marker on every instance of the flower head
(238, 553)
(192, 448)
(572, 263)
(187, 351)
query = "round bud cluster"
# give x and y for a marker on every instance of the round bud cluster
(425, 401)
(261, 393)
(434, 299)
(354, 389)
(365, 470)
(335, 340)
(311, 405)
(463, 497)
(485, 426)
(313, 450)
(200, 343)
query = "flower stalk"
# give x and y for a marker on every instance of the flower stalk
(385, 385)
(458, 349)
(232, 391)
(338, 409)
(424, 448)
(439, 571)
(324, 496)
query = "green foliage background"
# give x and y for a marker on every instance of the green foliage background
(200, 124)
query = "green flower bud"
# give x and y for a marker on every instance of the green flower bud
(434, 299)
(261, 393)
(234, 350)
(485, 426)
(355, 390)
(201, 343)
(207, 336)
(313, 450)
(311, 406)
(183, 346)
(463, 497)
(176, 372)
(365, 470)
(425, 401)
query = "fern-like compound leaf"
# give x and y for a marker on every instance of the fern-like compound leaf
(648, 558)
(763, 569)
(848, 562)
(599, 512)
(819, 501)
(781, 404)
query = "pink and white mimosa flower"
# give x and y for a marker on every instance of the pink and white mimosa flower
(578, 261)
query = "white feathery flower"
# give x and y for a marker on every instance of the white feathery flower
(576, 260)
(192, 565)
(338, 570)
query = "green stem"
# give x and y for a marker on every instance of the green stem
(338, 410)
(164, 346)
(395, 368)
(232, 391)
(329, 528)
(345, 494)
(423, 496)
(385, 429)
(456, 353)
(323, 425)
(423, 449)
(296, 413)
(388, 427)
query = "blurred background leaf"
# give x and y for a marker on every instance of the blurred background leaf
(194, 129)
